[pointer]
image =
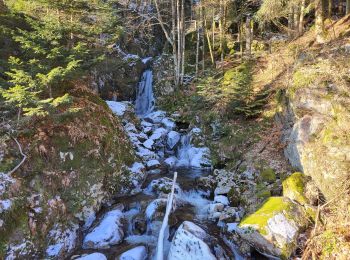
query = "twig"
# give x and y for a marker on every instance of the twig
(23, 159)
(169, 206)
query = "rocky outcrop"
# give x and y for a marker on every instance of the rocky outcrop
(316, 125)
(76, 158)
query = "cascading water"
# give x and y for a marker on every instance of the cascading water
(145, 101)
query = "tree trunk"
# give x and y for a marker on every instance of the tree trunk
(221, 31)
(202, 37)
(240, 38)
(347, 6)
(319, 25)
(248, 37)
(301, 17)
(176, 62)
(183, 41)
(197, 48)
(330, 8)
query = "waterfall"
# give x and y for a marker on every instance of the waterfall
(145, 101)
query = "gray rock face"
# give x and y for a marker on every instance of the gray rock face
(188, 243)
(315, 121)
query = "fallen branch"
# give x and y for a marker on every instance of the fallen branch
(169, 206)
(23, 159)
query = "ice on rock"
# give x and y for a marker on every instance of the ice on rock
(93, 256)
(221, 199)
(168, 123)
(155, 117)
(146, 154)
(163, 185)
(152, 164)
(117, 108)
(173, 139)
(188, 244)
(154, 206)
(147, 130)
(171, 161)
(148, 144)
(146, 124)
(130, 128)
(109, 232)
(137, 168)
(137, 253)
(158, 133)
(146, 60)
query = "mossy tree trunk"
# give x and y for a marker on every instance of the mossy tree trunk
(319, 24)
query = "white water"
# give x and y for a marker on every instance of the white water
(145, 101)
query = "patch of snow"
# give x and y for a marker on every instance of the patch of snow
(93, 256)
(282, 229)
(5, 205)
(117, 108)
(137, 253)
(137, 167)
(155, 117)
(109, 232)
(221, 199)
(64, 241)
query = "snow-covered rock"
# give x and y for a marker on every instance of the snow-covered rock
(158, 133)
(117, 108)
(149, 144)
(173, 139)
(147, 130)
(109, 232)
(163, 185)
(168, 123)
(188, 244)
(130, 128)
(224, 181)
(171, 161)
(137, 253)
(195, 157)
(221, 199)
(93, 256)
(146, 154)
(154, 207)
(62, 240)
(153, 164)
(155, 117)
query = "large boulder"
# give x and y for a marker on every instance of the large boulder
(188, 243)
(137, 253)
(274, 228)
(107, 233)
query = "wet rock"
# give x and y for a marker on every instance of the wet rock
(274, 228)
(206, 183)
(107, 233)
(139, 224)
(137, 253)
(173, 139)
(93, 256)
(188, 243)
(231, 214)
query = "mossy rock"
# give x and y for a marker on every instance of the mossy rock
(274, 228)
(294, 186)
(268, 175)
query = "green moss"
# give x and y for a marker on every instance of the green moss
(293, 187)
(268, 175)
(270, 208)
(303, 78)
